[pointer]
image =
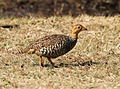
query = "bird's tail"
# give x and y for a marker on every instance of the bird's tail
(22, 51)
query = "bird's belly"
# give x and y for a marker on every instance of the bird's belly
(53, 52)
(57, 53)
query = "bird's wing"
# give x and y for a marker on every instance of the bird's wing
(47, 41)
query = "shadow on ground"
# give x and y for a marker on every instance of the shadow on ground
(87, 63)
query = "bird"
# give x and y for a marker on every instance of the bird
(53, 46)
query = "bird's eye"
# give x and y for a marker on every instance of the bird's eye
(78, 27)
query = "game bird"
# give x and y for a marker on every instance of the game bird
(55, 45)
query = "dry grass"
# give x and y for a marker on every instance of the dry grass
(100, 44)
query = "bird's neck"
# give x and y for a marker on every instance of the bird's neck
(74, 36)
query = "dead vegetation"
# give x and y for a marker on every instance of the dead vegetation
(100, 45)
(59, 7)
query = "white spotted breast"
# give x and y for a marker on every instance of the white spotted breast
(59, 48)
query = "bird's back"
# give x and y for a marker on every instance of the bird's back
(52, 46)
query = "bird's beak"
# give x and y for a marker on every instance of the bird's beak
(85, 29)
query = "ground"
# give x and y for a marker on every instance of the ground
(94, 63)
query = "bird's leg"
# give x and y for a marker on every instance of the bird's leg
(51, 62)
(41, 61)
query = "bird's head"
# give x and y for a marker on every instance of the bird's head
(76, 29)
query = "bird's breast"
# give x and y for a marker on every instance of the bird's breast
(58, 49)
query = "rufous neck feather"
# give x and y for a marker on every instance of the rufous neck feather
(74, 36)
